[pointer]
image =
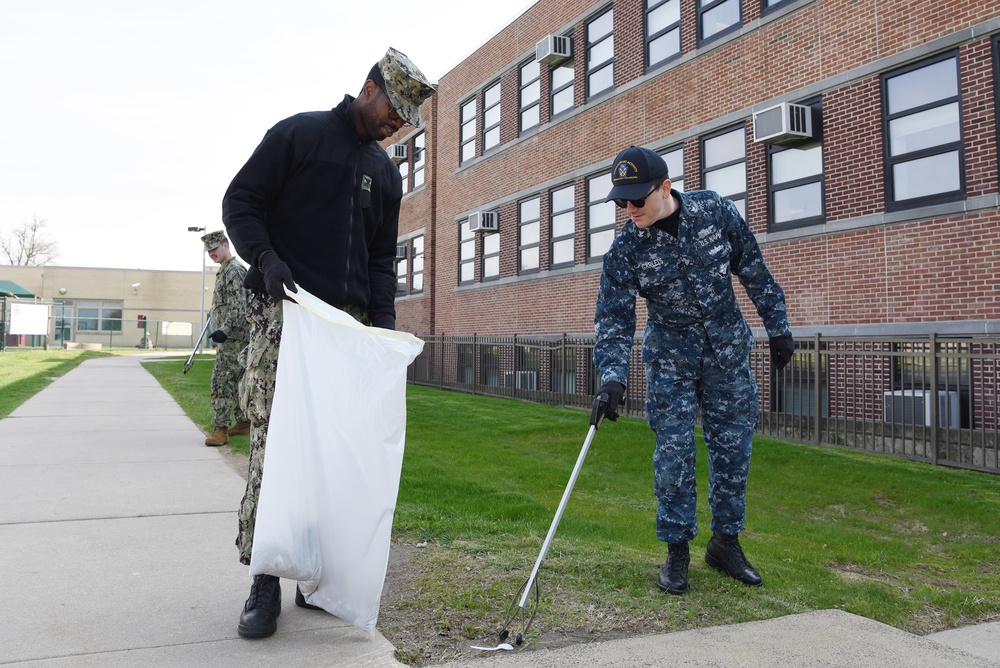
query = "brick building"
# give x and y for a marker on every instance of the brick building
(881, 218)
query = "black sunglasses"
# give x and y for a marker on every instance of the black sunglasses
(393, 114)
(637, 203)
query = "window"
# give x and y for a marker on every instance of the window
(795, 186)
(99, 316)
(491, 255)
(468, 118)
(419, 161)
(725, 170)
(62, 311)
(402, 269)
(562, 88)
(531, 94)
(663, 31)
(923, 134)
(466, 366)
(404, 171)
(528, 235)
(489, 365)
(717, 17)
(996, 81)
(563, 365)
(600, 54)
(600, 217)
(675, 167)
(562, 226)
(466, 253)
(491, 117)
(417, 278)
(768, 5)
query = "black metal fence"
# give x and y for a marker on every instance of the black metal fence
(930, 398)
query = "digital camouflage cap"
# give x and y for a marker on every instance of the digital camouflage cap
(213, 239)
(405, 85)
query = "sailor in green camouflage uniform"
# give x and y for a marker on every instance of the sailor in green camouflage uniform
(317, 204)
(680, 251)
(229, 332)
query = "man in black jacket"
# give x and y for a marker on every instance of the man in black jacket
(316, 205)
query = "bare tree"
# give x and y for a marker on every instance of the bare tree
(28, 245)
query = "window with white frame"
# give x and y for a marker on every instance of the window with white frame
(674, 157)
(419, 160)
(600, 217)
(466, 253)
(491, 255)
(531, 95)
(417, 276)
(404, 171)
(562, 226)
(601, 54)
(99, 316)
(663, 31)
(468, 119)
(529, 221)
(923, 133)
(491, 117)
(562, 88)
(725, 166)
(717, 17)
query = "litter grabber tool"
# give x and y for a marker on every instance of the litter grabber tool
(528, 593)
(197, 344)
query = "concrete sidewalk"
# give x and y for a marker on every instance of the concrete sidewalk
(116, 540)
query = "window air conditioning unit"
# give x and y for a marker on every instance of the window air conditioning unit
(397, 152)
(401, 252)
(913, 407)
(483, 221)
(521, 380)
(783, 124)
(554, 49)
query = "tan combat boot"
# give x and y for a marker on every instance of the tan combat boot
(218, 437)
(240, 429)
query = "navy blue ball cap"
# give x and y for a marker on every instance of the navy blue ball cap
(634, 173)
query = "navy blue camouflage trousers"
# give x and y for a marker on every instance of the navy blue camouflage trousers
(683, 375)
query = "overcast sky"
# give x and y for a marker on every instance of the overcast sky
(123, 121)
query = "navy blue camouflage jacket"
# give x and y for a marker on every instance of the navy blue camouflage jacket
(687, 284)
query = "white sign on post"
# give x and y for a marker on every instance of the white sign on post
(31, 319)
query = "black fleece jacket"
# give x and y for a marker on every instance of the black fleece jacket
(327, 203)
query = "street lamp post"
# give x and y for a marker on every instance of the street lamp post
(201, 323)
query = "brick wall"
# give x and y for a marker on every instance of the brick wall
(936, 267)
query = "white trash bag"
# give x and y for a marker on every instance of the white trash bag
(333, 458)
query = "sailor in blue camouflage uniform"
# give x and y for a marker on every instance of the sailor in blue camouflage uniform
(679, 251)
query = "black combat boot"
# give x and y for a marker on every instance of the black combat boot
(725, 554)
(260, 614)
(674, 572)
(300, 600)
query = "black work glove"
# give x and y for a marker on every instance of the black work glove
(277, 275)
(616, 396)
(218, 336)
(782, 347)
(384, 320)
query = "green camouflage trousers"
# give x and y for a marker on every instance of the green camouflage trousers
(256, 394)
(225, 381)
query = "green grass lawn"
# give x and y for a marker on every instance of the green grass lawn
(905, 543)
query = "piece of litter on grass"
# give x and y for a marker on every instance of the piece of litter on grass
(504, 646)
